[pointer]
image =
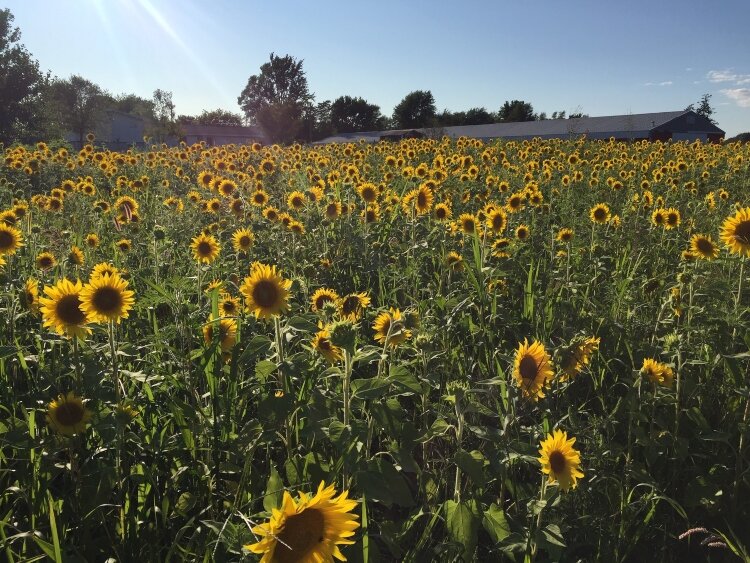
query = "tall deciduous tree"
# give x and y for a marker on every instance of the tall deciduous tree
(704, 108)
(277, 97)
(213, 117)
(22, 86)
(349, 115)
(516, 110)
(77, 105)
(417, 109)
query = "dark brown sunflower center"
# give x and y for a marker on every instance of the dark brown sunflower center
(672, 218)
(440, 213)
(45, 262)
(557, 462)
(7, 240)
(599, 214)
(368, 195)
(258, 198)
(468, 226)
(69, 414)
(204, 248)
(658, 218)
(741, 233)
(522, 233)
(68, 310)
(107, 300)
(301, 533)
(325, 345)
(350, 305)
(528, 369)
(421, 199)
(228, 307)
(265, 294)
(244, 241)
(498, 222)
(704, 246)
(322, 300)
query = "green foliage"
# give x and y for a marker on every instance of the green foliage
(417, 109)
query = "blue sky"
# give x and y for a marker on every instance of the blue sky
(602, 57)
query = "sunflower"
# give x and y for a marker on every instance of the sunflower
(61, 309)
(532, 369)
(266, 291)
(11, 239)
(390, 328)
(228, 306)
(515, 202)
(67, 415)
(600, 213)
(497, 220)
(75, 256)
(323, 345)
(372, 213)
(454, 261)
(242, 240)
(106, 298)
(522, 232)
(103, 268)
(578, 356)
(227, 333)
(126, 206)
(735, 232)
(560, 461)
(657, 373)
(658, 217)
(703, 247)
(309, 529)
(353, 305)
(442, 212)
(333, 210)
(205, 248)
(296, 200)
(468, 223)
(30, 295)
(368, 192)
(321, 297)
(124, 245)
(92, 240)
(672, 218)
(45, 261)
(423, 199)
(259, 198)
(564, 235)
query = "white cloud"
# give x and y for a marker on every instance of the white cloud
(741, 96)
(728, 75)
(665, 83)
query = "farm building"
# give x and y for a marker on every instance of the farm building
(664, 126)
(116, 131)
(221, 134)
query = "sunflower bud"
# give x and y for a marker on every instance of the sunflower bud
(159, 233)
(344, 335)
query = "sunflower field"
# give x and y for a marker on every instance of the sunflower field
(432, 350)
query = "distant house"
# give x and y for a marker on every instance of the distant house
(116, 131)
(664, 126)
(213, 135)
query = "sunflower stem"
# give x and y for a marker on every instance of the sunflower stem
(113, 353)
(77, 365)
(459, 438)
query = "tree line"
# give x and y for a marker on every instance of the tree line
(278, 99)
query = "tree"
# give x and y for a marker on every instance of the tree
(165, 125)
(213, 117)
(417, 109)
(134, 105)
(277, 98)
(478, 116)
(349, 115)
(77, 105)
(704, 108)
(22, 86)
(517, 110)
